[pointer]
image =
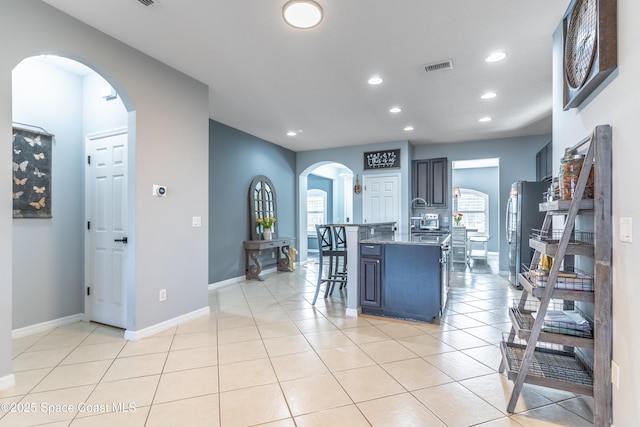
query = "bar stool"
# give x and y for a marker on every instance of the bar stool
(327, 249)
(340, 244)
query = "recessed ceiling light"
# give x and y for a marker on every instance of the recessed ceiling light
(375, 80)
(302, 14)
(395, 109)
(291, 133)
(488, 95)
(408, 128)
(496, 56)
(485, 119)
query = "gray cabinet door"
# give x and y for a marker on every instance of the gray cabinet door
(429, 182)
(370, 282)
(438, 183)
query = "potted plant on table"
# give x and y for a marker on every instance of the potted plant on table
(266, 224)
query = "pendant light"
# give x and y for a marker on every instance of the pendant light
(302, 14)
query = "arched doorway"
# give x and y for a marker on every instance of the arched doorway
(326, 196)
(68, 100)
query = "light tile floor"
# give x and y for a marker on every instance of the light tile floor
(265, 356)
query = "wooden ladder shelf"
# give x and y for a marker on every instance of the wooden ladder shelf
(539, 352)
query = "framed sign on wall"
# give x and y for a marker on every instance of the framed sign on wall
(384, 159)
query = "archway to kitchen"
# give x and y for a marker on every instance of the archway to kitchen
(476, 195)
(62, 98)
(328, 199)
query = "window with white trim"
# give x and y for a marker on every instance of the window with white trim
(316, 210)
(474, 207)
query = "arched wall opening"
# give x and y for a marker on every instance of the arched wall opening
(333, 179)
(67, 99)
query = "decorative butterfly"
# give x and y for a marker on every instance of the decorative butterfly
(22, 181)
(39, 204)
(33, 141)
(39, 156)
(38, 190)
(17, 151)
(18, 194)
(39, 174)
(22, 166)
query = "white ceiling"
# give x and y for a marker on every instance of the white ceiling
(266, 78)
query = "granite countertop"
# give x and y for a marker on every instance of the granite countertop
(369, 224)
(411, 239)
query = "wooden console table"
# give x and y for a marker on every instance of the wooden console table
(253, 249)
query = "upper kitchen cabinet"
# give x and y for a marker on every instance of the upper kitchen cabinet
(430, 182)
(544, 163)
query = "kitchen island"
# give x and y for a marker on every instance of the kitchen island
(404, 277)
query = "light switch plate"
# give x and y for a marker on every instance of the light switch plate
(626, 229)
(196, 221)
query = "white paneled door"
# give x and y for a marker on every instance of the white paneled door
(381, 198)
(106, 200)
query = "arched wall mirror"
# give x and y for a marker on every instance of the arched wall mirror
(262, 204)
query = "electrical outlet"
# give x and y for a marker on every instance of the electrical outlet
(615, 374)
(626, 229)
(162, 295)
(273, 255)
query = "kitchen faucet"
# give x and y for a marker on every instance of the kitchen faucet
(416, 199)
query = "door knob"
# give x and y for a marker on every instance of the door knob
(123, 240)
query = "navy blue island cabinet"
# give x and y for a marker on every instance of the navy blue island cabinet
(403, 280)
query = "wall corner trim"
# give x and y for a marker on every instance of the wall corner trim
(159, 327)
(7, 382)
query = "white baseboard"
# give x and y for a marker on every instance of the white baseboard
(227, 282)
(46, 326)
(159, 327)
(7, 382)
(233, 280)
(354, 312)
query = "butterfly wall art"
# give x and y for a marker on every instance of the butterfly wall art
(31, 174)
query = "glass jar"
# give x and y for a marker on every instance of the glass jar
(570, 168)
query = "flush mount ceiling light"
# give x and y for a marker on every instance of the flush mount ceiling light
(488, 95)
(291, 133)
(496, 56)
(302, 14)
(485, 119)
(375, 80)
(395, 109)
(408, 128)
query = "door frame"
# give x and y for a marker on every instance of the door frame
(397, 175)
(87, 210)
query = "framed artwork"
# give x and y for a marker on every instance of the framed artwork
(31, 174)
(387, 159)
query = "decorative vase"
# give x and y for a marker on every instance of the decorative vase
(266, 235)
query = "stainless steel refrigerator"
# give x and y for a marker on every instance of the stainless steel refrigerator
(522, 215)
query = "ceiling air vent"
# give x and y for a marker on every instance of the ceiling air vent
(441, 65)
(147, 2)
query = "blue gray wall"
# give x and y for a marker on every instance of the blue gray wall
(486, 181)
(517, 162)
(315, 182)
(235, 158)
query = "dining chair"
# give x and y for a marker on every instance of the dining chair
(477, 239)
